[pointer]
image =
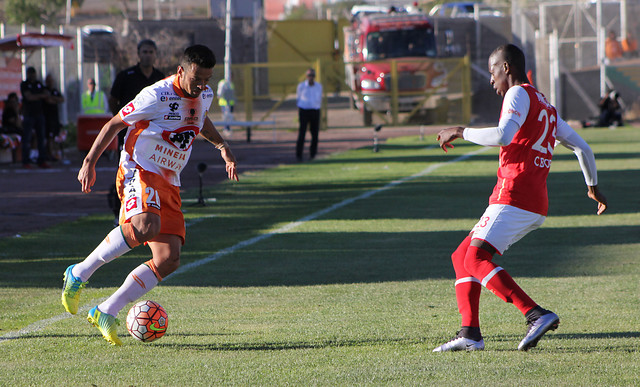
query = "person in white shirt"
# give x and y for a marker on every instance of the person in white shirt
(309, 100)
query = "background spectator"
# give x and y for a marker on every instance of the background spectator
(33, 95)
(630, 46)
(610, 110)
(94, 101)
(309, 101)
(130, 81)
(612, 48)
(52, 118)
(226, 100)
(10, 132)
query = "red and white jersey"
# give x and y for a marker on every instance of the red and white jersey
(525, 162)
(163, 123)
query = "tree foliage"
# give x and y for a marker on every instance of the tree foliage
(343, 8)
(33, 12)
(301, 12)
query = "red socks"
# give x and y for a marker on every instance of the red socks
(467, 287)
(478, 263)
(474, 268)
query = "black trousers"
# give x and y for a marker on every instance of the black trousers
(311, 118)
(30, 125)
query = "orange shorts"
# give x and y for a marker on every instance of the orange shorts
(141, 191)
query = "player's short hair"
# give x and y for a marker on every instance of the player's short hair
(147, 42)
(512, 55)
(199, 55)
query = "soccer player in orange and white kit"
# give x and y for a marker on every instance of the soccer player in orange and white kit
(162, 123)
(527, 132)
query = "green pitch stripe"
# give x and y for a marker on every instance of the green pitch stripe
(290, 226)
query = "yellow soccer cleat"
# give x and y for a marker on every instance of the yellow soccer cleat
(71, 291)
(106, 323)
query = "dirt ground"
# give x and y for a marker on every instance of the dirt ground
(32, 200)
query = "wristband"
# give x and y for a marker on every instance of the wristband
(223, 145)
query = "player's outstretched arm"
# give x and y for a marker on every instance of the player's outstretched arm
(87, 173)
(572, 140)
(446, 136)
(595, 194)
(211, 134)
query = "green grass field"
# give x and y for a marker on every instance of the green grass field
(337, 272)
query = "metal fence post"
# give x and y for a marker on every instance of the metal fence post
(248, 96)
(394, 92)
(466, 89)
(323, 107)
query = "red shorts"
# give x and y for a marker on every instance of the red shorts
(141, 191)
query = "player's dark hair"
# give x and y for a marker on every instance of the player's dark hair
(147, 42)
(199, 55)
(31, 70)
(513, 56)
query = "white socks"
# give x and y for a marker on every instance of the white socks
(113, 246)
(138, 283)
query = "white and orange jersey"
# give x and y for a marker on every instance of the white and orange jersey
(163, 123)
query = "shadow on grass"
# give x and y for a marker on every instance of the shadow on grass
(98, 337)
(290, 345)
(315, 258)
(553, 342)
(55, 336)
(597, 336)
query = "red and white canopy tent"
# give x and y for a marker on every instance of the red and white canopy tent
(35, 40)
(13, 54)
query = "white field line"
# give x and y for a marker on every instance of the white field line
(39, 325)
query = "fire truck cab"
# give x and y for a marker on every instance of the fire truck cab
(372, 42)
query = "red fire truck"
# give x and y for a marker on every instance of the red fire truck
(374, 41)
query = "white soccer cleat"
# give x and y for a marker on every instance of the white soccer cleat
(461, 344)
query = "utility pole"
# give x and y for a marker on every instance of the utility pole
(227, 43)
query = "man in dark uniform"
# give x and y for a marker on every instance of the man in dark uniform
(33, 95)
(52, 123)
(128, 83)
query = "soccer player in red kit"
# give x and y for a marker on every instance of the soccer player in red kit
(527, 133)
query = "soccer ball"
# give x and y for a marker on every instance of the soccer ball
(147, 321)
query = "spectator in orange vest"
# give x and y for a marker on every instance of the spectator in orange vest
(630, 46)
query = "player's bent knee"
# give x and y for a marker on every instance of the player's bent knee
(168, 266)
